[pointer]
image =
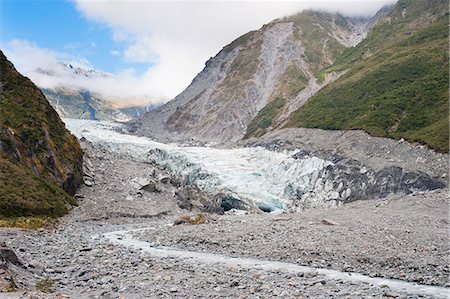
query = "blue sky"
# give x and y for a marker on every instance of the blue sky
(59, 26)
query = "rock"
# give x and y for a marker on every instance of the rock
(302, 154)
(276, 292)
(311, 274)
(85, 249)
(391, 294)
(150, 187)
(193, 219)
(8, 256)
(106, 280)
(165, 180)
(35, 264)
(328, 222)
(88, 183)
(173, 290)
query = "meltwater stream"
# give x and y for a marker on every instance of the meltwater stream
(125, 238)
(269, 180)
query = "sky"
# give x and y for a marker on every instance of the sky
(152, 49)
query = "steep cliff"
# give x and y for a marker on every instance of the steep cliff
(387, 75)
(276, 67)
(81, 104)
(41, 162)
(72, 94)
(396, 83)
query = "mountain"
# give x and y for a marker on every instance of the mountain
(40, 161)
(387, 75)
(396, 81)
(273, 71)
(65, 69)
(81, 104)
(71, 101)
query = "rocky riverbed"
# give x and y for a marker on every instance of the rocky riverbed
(120, 242)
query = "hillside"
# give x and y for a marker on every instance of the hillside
(41, 162)
(397, 80)
(276, 66)
(387, 75)
(81, 104)
(71, 100)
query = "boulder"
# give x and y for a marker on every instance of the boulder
(151, 186)
(8, 256)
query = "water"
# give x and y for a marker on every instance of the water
(125, 238)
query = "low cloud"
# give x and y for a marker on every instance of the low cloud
(43, 66)
(177, 38)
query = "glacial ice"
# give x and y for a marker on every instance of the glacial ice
(272, 181)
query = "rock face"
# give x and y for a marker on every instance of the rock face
(82, 104)
(276, 67)
(345, 180)
(71, 103)
(396, 80)
(79, 102)
(40, 159)
(387, 75)
(7, 258)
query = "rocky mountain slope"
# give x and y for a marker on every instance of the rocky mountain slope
(392, 83)
(262, 71)
(396, 83)
(81, 103)
(41, 162)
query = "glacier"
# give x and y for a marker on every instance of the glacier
(265, 179)
(256, 177)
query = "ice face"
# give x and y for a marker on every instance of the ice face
(270, 180)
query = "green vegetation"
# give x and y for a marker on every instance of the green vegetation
(243, 67)
(243, 40)
(38, 156)
(27, 222)
(397, 85)
(314, 29)
(10, 287)
(258, 126)
(292, 82)
(200, 218)
(45, 285)
(406, 17)
(24, 193)
(80, 104)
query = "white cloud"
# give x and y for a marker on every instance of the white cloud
(175, 38)
(141, 51)
(43, 67)
(178, 37)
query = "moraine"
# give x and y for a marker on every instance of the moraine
(250, 177)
